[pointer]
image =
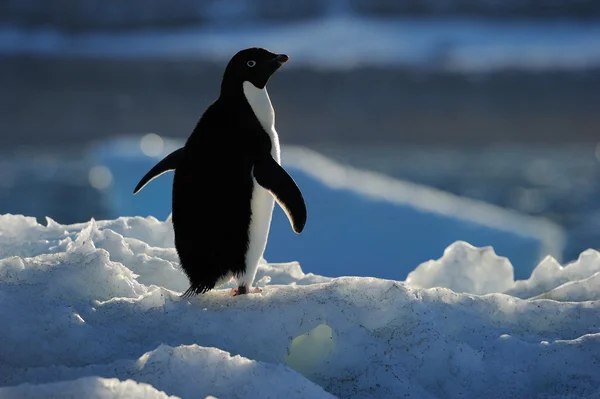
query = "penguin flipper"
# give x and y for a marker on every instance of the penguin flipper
(167, 164)
(271, 176)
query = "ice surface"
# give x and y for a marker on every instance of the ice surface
(359, 223)
(457, 44)
(94, 310)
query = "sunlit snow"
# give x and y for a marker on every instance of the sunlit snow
(93, 310)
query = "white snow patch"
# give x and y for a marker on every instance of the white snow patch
(287, 273)
(94, 310)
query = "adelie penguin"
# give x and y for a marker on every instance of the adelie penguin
(227, 176)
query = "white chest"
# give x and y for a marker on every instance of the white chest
(263, 109)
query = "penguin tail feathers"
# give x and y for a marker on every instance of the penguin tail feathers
(194, 290)
(188, 293)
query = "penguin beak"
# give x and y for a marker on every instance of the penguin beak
(277, 62)
(281, 59)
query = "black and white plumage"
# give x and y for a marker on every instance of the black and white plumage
(226, 179)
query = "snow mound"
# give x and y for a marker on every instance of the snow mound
(87, 387)
(95, 311)
(187, 370)
(550, 276)
(464, 268)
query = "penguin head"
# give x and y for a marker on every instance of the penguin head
(255, 65)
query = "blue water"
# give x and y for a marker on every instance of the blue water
(350, 234)
(561, 183)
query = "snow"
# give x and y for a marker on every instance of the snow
(550, 276)
(454, 44)
(94, 310)
(464, 268)
(86, 387)
(360, 223)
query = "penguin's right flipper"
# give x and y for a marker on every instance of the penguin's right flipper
(270, 175)
(167, 164)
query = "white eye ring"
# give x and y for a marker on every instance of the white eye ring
(251, 63)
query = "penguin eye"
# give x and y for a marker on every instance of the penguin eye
(251, 63)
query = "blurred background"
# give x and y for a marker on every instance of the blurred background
(497, 101)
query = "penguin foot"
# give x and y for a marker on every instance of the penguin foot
(242, 290)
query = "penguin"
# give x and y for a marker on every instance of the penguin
(227, 178)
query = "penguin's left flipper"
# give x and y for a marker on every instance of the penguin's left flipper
(167, 164)
(270, 175)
